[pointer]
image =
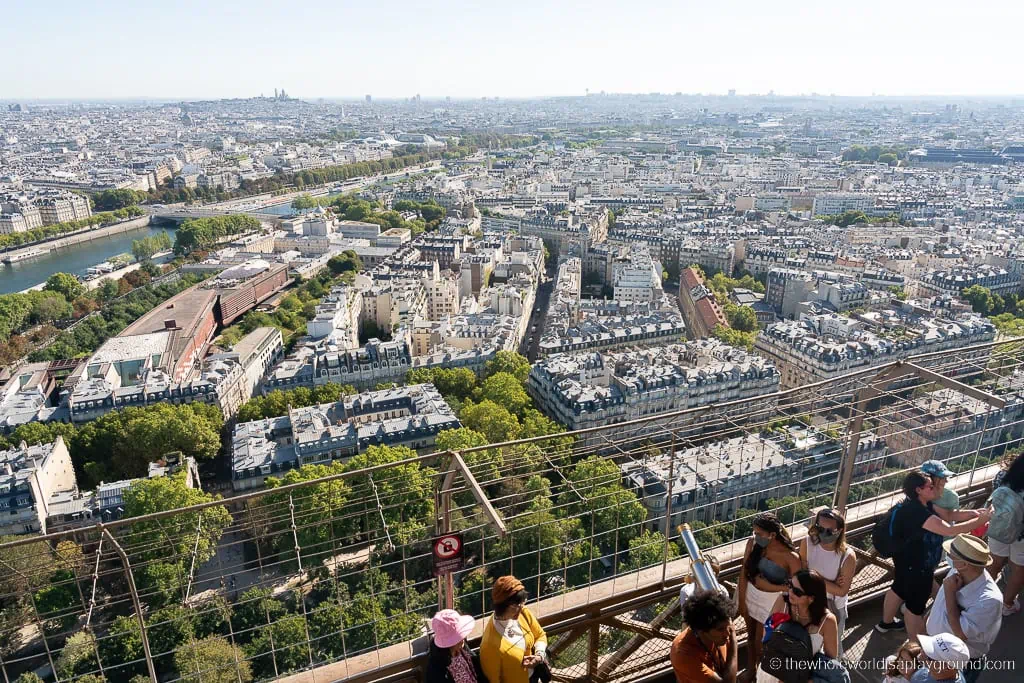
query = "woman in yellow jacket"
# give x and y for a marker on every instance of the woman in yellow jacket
(513, 648)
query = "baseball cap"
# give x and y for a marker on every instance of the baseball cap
(944, 647)
(936, 468)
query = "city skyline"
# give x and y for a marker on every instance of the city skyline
(465, 51)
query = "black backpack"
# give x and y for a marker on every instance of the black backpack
(883, 536)
(787, 654)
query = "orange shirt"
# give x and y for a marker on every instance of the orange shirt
(694, 663)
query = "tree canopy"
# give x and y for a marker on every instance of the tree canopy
(346, 261)
(65, 284)
(203, 233)
(169, 547)
(511, 362)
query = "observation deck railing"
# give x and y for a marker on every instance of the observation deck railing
(330, 579)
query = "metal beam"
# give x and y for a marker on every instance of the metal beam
(956, 385)
(854, 427)
(479, 494)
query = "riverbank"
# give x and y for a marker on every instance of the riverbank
(81, 237)
(74, 258)
(158, 258)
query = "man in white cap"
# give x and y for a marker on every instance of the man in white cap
(943, 657)
(970, 604)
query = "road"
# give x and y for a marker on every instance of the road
(537, 317)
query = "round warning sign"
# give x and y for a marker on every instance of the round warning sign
(448, 547)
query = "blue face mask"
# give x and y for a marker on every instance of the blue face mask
(762, 541)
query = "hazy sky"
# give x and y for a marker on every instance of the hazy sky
(397, 48)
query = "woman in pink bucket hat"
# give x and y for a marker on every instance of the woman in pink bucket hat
(450, 660)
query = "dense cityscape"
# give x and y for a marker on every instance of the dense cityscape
(286, 291)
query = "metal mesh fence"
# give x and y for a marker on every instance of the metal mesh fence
(297, 576)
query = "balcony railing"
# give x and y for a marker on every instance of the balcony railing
(333, 575)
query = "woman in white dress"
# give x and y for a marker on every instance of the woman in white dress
(807, 604)
(825, 551)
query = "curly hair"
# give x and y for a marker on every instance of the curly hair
(704, 610)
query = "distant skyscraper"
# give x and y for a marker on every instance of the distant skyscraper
(275, 93)
(369, 99)
(732, 92)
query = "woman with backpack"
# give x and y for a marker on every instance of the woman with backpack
(1007, 522)
(806, 604)
(768, 562)
(824, 550)
(917, 534)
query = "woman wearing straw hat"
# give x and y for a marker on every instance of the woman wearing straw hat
(513, 648)
(450, 661)
(969, 605)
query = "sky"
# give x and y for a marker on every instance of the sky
(191, 49)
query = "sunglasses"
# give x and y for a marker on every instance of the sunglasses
(796, 590)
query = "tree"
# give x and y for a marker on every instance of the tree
(144, 248)
(318, 508)
(511, 362)
(277, 402)
(255, 608)
(406, 492)
(111, 200)
(121, 443)
(168, 629)
(485, 464)
(453, 382)
(192, 429)
(537, 542)
(48, 307)
(648, 549)
(65, 284)
(279, 648)
(742, 319)
(889, 158)
(121, 651)
(507, 391)
(171, 545)
(346, 261)
(495, 422)
(616, 512)
(78, 656)
(305, 201)
(212, 660)
(33, 433)
(708, 537)
(742, 340)
(980, 299)
(58, 604)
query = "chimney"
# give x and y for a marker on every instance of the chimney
(170, 324)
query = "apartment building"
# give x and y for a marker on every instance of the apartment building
(835, 203)
(410, 416)
(701, 311)
(824, 346)
(946, 424)
(591, 389)
(715, 480)
(29, 478)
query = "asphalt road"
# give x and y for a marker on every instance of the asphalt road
(537, 316)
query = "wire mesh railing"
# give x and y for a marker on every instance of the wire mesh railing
(331, 563)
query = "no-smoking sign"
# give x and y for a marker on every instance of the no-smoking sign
(447, 554)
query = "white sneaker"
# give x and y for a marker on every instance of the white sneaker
(1010, 611)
